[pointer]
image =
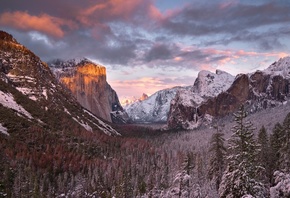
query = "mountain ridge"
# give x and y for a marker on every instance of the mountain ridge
(31, 94)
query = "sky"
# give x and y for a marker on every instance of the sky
(149, 45)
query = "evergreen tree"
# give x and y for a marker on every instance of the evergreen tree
(217, 158)
(182, 184)
(239, 179)
(263, 156)
(276, 140)
(285, 149)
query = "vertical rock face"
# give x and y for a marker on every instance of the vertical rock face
(228, 101)
(87, 82)
(186, 108)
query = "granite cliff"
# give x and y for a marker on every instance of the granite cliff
(87, 82)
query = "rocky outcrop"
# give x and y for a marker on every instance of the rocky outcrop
(259, 90)
(185, 112)
(87, 82)
(228, 101)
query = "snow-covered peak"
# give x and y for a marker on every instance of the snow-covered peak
(280, 67)
(65, 64)
(153, 109)
(210, 84)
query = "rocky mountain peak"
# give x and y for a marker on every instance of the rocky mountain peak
(143, 97)
(280, 67)
(210, 84)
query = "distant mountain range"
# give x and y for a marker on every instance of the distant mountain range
(214, 95)
(157, 107)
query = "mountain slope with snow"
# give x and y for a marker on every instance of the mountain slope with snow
(153, 109)
(210, 84)
(280, 67)
(257, 91)
(30, 94)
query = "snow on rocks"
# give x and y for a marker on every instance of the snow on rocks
(107, 129)
(155, 108)
(7, 100)
(85, 125)
(3, 130)
(281, 67)
(210, 84)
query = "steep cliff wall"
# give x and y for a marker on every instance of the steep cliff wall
(87, 82)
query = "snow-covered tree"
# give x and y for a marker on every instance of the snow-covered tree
(217, 158)
(239, 178)
(282, 185)
(182, 183)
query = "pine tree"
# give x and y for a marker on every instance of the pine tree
(217, 158)
(182, 184)
(239, 179)
(285, 149)
(263, 156)
(276, 140)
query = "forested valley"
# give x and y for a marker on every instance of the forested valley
(147, 163)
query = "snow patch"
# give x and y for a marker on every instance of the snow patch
(107, 129)
(44, 93)
(3, 130)
(7, 100)
(65, 110)
(16, 78)
(85, 125)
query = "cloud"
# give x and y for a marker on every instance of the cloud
(159, 52)
(229, 18)
(136, 87)
(134, 33)
(44, 23)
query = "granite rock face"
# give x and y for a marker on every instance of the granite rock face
(87, 82)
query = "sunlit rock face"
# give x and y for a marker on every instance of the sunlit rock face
(87, 82)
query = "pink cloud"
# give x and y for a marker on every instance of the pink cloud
(43, 23)
(118, 10)
(228, 4)
(137, 87)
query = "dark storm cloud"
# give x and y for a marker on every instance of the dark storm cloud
(233, 22)
(214, 18)
(268, 40)
(159, 52)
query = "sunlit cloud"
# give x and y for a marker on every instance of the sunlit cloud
(43, 23)
(147, 40)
